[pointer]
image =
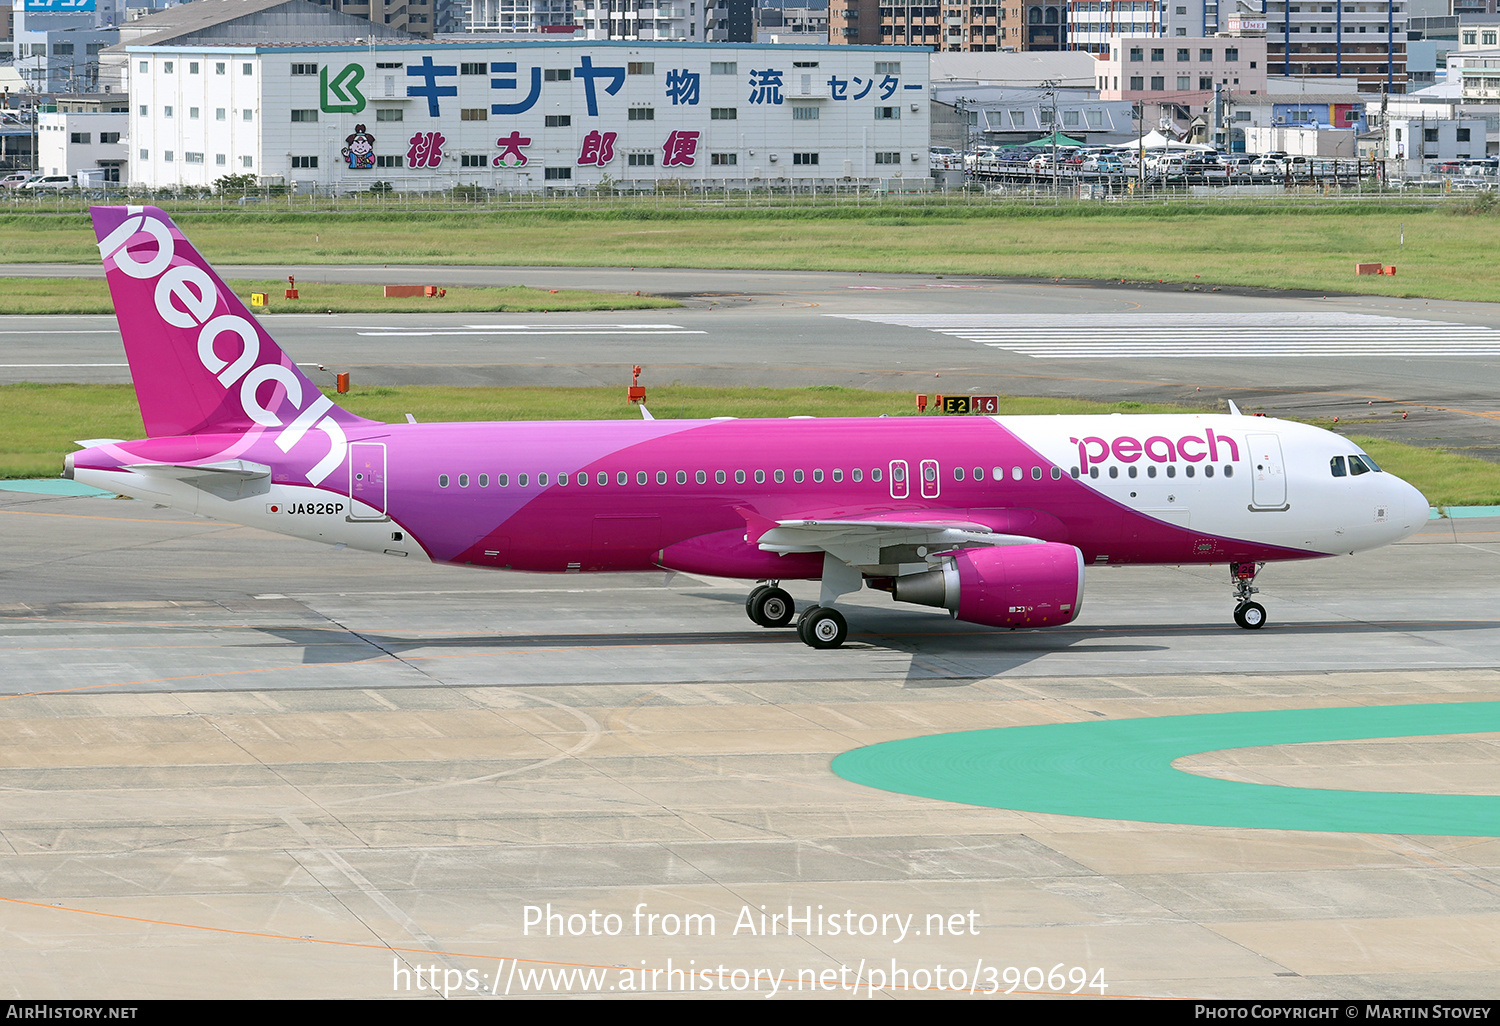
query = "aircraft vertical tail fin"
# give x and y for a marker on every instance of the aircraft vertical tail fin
(201, 362)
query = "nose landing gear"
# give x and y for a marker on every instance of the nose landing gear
(1247, 614)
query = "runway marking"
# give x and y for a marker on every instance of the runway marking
(570, 330)
(131, 520)
(1208, 335)
(1123, 769)
(22, 366)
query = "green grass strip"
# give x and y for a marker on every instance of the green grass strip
(91, 296)
(1122, 769)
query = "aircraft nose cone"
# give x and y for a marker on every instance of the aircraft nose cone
(1414, 508)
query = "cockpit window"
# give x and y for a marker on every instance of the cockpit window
(1356, 467)
(1370, 463)
(1336, 466)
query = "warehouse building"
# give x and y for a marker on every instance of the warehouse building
(524, 116)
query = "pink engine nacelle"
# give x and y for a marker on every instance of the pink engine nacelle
(1009, 586)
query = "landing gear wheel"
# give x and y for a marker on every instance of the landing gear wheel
(755, 593)
(771, 607)
(1251, 616)
(823, 627)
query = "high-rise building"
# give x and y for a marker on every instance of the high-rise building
(1362, 42)
(1041, 25)
(951, 26)
(674, 20)
(520, 17)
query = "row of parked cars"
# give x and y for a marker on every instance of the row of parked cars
(1184, 166)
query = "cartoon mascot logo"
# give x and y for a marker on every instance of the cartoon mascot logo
(359, 149)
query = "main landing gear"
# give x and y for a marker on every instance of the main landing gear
(818, 626)
(822, 627)
(770, 606)
(1249, 615)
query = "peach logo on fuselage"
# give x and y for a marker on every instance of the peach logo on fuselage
(1157, 449)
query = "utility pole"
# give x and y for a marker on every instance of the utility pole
(967, 108)
(1385, 132)
(1140, 145)
(1050, 85)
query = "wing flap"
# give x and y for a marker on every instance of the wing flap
(877, 546)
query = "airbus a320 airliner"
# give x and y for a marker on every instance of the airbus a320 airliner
(992, 518)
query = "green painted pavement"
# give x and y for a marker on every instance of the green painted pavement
(1122, 769)
(50, 486)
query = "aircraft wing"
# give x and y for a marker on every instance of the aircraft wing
(878, 545)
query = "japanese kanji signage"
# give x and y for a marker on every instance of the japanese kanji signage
(589, 107)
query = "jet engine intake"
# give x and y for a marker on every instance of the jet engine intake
(1004, 586)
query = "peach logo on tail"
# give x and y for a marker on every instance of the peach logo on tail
(186, 297)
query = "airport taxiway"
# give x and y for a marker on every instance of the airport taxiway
(238, 765)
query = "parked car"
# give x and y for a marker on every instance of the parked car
(16, 179)
(1169, 166)
(1205, 172)
(1237, 165)
(49, 182)
(1267, 167)
(1104, 164)
(943, 156)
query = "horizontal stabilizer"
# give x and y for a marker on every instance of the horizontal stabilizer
(229, 479)
(242, 469)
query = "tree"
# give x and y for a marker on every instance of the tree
(235, 184)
